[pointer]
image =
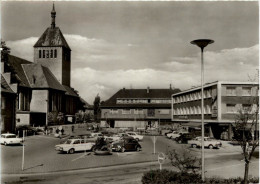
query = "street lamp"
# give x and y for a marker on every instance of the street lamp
(202, 43)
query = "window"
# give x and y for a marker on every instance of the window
(208, 109)
(43, 54)
(77, 142)
(231, 91)
(164, 111)
(40, 53)
(126, 111)
(191, 110)
(3, 103)
(138, 111)
(55, 53)
(231, 108)
(47, 53)
(246, 91)
(114, 111)
(51, 56)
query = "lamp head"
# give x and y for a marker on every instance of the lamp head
(202, 42)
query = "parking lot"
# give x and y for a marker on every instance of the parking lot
(40, 156)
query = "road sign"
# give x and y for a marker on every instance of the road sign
(161, 159)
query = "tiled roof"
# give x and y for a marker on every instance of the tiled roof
(16, 64)
(140, 94)
(70, 91)
(52, 37)
(5, 87)
(41, 77)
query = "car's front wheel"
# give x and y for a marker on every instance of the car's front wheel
(194, 145)
(210, 146)
(5, 143)
(137, 139)
(71, 151)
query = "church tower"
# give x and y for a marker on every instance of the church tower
(52, 51)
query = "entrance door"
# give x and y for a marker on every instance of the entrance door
(112, 123)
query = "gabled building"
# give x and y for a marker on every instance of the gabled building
(43, 87)
(137, 108)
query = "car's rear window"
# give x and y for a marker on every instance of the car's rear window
(11, 136)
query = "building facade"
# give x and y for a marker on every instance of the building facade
(43, 87)
(222, 100)
(137, 108)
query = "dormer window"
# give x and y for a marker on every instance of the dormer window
(40, 53)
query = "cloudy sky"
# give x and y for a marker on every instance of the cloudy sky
(137, 44)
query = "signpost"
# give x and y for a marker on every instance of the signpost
(154, 141)
(161, 159)
(23, 152)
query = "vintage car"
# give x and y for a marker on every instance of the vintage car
(208, 142)
(9, 138)
(73, 145)
(174, 134)
(126, 144)
(135, 136)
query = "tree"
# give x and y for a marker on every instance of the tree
(245, 124)
(97, 111)
(184, 161)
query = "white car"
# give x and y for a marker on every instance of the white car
(9, 138)
(174, 134)
(72, 145)
(208, 142)
(113, 138)
(135, 136)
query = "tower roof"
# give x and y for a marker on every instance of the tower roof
(52, 37)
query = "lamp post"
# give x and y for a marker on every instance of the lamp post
(202, 43)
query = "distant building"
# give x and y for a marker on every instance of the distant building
(43, 87)
(222, 100)
(137, 108)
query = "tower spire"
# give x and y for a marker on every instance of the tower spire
(53, 15)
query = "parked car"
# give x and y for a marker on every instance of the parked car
(126, 144)
(174, 134)
(208, 142)
(9, 138)
(184, 138)
(73, 145)
(135, 136)
(113, 138)
(29, 130)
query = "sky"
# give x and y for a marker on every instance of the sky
(136, 44)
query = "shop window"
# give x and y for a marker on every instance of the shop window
(246, 91)
(231, 108)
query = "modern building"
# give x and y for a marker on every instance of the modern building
(137, 108)
(222, 100)
(43, 86)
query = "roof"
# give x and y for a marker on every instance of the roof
(86, 104)
(16, 65)
(70, 91)
(140, 94)
(216, 83)
(41, 77)
(5, 87)
(52, 37)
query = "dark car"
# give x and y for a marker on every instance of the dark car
(126, 144)
(184, 138)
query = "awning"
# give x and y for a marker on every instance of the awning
(192, 124)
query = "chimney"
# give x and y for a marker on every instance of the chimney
(148, 89)
(170, 86)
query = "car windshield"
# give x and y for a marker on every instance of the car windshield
(67, 142)
(11, 136)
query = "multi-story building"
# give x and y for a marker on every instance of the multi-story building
(222, 100)
(137, 108)
(43, 86)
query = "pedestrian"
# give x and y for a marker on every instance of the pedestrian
(72, 128)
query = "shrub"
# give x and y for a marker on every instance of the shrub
(172, 177)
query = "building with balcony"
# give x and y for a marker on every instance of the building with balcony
(222, 100)
(137, 108)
